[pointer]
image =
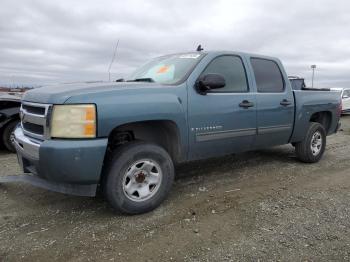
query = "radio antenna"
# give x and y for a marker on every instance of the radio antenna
(110, 65)
(199, 48)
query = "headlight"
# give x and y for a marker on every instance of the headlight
(73, 121)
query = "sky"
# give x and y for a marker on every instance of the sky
(46, 42)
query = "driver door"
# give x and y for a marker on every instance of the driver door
(222, 121)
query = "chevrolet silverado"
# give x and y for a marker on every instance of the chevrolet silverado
(125, 137)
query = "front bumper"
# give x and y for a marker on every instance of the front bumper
(66, 166)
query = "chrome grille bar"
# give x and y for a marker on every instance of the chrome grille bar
(34, 120)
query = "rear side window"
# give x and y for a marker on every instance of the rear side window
(232, 69)
(268, 76)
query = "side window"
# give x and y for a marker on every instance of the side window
(268, 76)
(346, 94)
(232, 69)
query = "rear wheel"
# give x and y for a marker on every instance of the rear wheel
(311, 149)
(138, 178)
(8, 136)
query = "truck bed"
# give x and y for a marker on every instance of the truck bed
(308, 102)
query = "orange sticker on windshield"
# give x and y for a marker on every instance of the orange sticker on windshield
(163, 70)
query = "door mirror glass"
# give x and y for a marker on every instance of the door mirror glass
(210, 81)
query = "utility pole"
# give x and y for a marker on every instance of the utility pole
(110, 65)
(313, 67)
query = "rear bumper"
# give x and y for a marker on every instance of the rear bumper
(66, 166)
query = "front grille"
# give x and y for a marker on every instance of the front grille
(34, 109)
(34, 120)
(33, 128)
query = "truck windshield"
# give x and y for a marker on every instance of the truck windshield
(168, 69)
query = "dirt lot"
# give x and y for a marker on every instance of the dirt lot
(256, 206)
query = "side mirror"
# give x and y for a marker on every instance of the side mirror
(208, 82)
(345, 96)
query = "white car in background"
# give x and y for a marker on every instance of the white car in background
(345, 97)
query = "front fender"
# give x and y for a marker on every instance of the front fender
(139, 108)
(129, 106)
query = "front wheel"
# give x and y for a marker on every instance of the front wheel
(311, 149)
(138, 177)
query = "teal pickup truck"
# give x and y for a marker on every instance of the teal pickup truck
(126, 136)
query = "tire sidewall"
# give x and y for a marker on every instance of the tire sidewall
(6, 135)
(121, 161)
(316, 127)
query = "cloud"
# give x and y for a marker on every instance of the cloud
(44, 42)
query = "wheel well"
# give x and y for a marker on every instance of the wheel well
(324, 118)
(164, 133)
(9, 121)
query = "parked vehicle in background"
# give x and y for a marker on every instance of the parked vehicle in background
(127, 136)
(345, 100)
(9, 119)
(297, 83)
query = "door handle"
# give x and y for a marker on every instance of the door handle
(285, 102)
(246, 104)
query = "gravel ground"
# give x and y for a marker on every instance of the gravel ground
(257, 206)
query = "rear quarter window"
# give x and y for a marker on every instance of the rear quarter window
(268, 76)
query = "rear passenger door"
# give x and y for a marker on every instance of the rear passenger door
(275, 103)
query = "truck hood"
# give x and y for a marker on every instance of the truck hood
(58, 94)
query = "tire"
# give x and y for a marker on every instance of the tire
(138, 177)
(309, 150)
(8, 136)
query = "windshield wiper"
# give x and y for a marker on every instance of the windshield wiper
(146, 79)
